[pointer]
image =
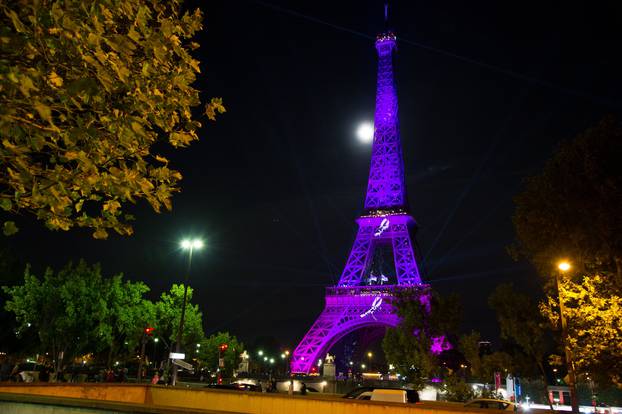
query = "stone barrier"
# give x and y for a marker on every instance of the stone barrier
(156, 398)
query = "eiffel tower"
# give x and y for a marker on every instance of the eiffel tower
(361, 299)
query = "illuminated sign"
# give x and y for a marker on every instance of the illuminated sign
(176, 355)
(375, 305)
(384, 224)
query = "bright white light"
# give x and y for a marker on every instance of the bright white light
(365, 132)
(191, 244)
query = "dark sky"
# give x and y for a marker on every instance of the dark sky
(486, 91)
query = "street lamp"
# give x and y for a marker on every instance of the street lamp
(188, 245)
(563, 267)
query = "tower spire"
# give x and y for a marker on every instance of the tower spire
(386, 190)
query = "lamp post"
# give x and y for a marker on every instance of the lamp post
(563, 267)
(189, 246)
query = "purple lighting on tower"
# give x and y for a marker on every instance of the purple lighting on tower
(353, 303)
(385, 188)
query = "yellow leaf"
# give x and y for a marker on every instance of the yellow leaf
(71, 155)
(100, 234)
(44, 111)
(161, 159)
(214, 106)
(55, 79)
(19, 26)
(112, 206)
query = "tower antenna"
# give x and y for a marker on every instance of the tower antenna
(386, 15)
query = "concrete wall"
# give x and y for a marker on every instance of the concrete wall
(7, 407)
(226, 401)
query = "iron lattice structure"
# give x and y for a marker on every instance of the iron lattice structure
(351, 304)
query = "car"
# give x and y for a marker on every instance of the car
(492, 404)
(27, 372)
(386, 394)
(235, 387)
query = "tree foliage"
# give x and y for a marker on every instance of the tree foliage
(77, 310)
(66, 309)
(86, 89)
(483, 367)
(209, 352)
(594, 321)
(424, 316)
(571, 209)
(522, 325)
(168, 314)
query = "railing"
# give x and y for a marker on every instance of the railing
(370, 290)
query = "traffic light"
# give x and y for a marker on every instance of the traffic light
(149, 331)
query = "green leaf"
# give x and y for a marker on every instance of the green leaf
(6, 204)
(9, 228)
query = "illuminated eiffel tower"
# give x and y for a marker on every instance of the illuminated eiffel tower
(361, 299)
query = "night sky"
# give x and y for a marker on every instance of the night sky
(486, 92)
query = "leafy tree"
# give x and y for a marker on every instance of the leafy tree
(209, 352)
(87, 88)
(457, 389)
(11, 273)
(483, 367)
(594, 320)
(424, 316)
(571, 209)
(468, 344)
(66, 309)
(522, 324)
(127, 316)
(168, 314)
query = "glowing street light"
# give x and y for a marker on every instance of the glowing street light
(188, 245)
(365, 132)
(283, 356)
(260, 352)
(564, 266)
(191, 244)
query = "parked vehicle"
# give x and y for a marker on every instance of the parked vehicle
(492, 404)
(386, 394)
(235, 387)
(27, 372)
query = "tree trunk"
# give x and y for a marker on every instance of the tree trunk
(618, 262)
(546, 388)
(109, 361)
